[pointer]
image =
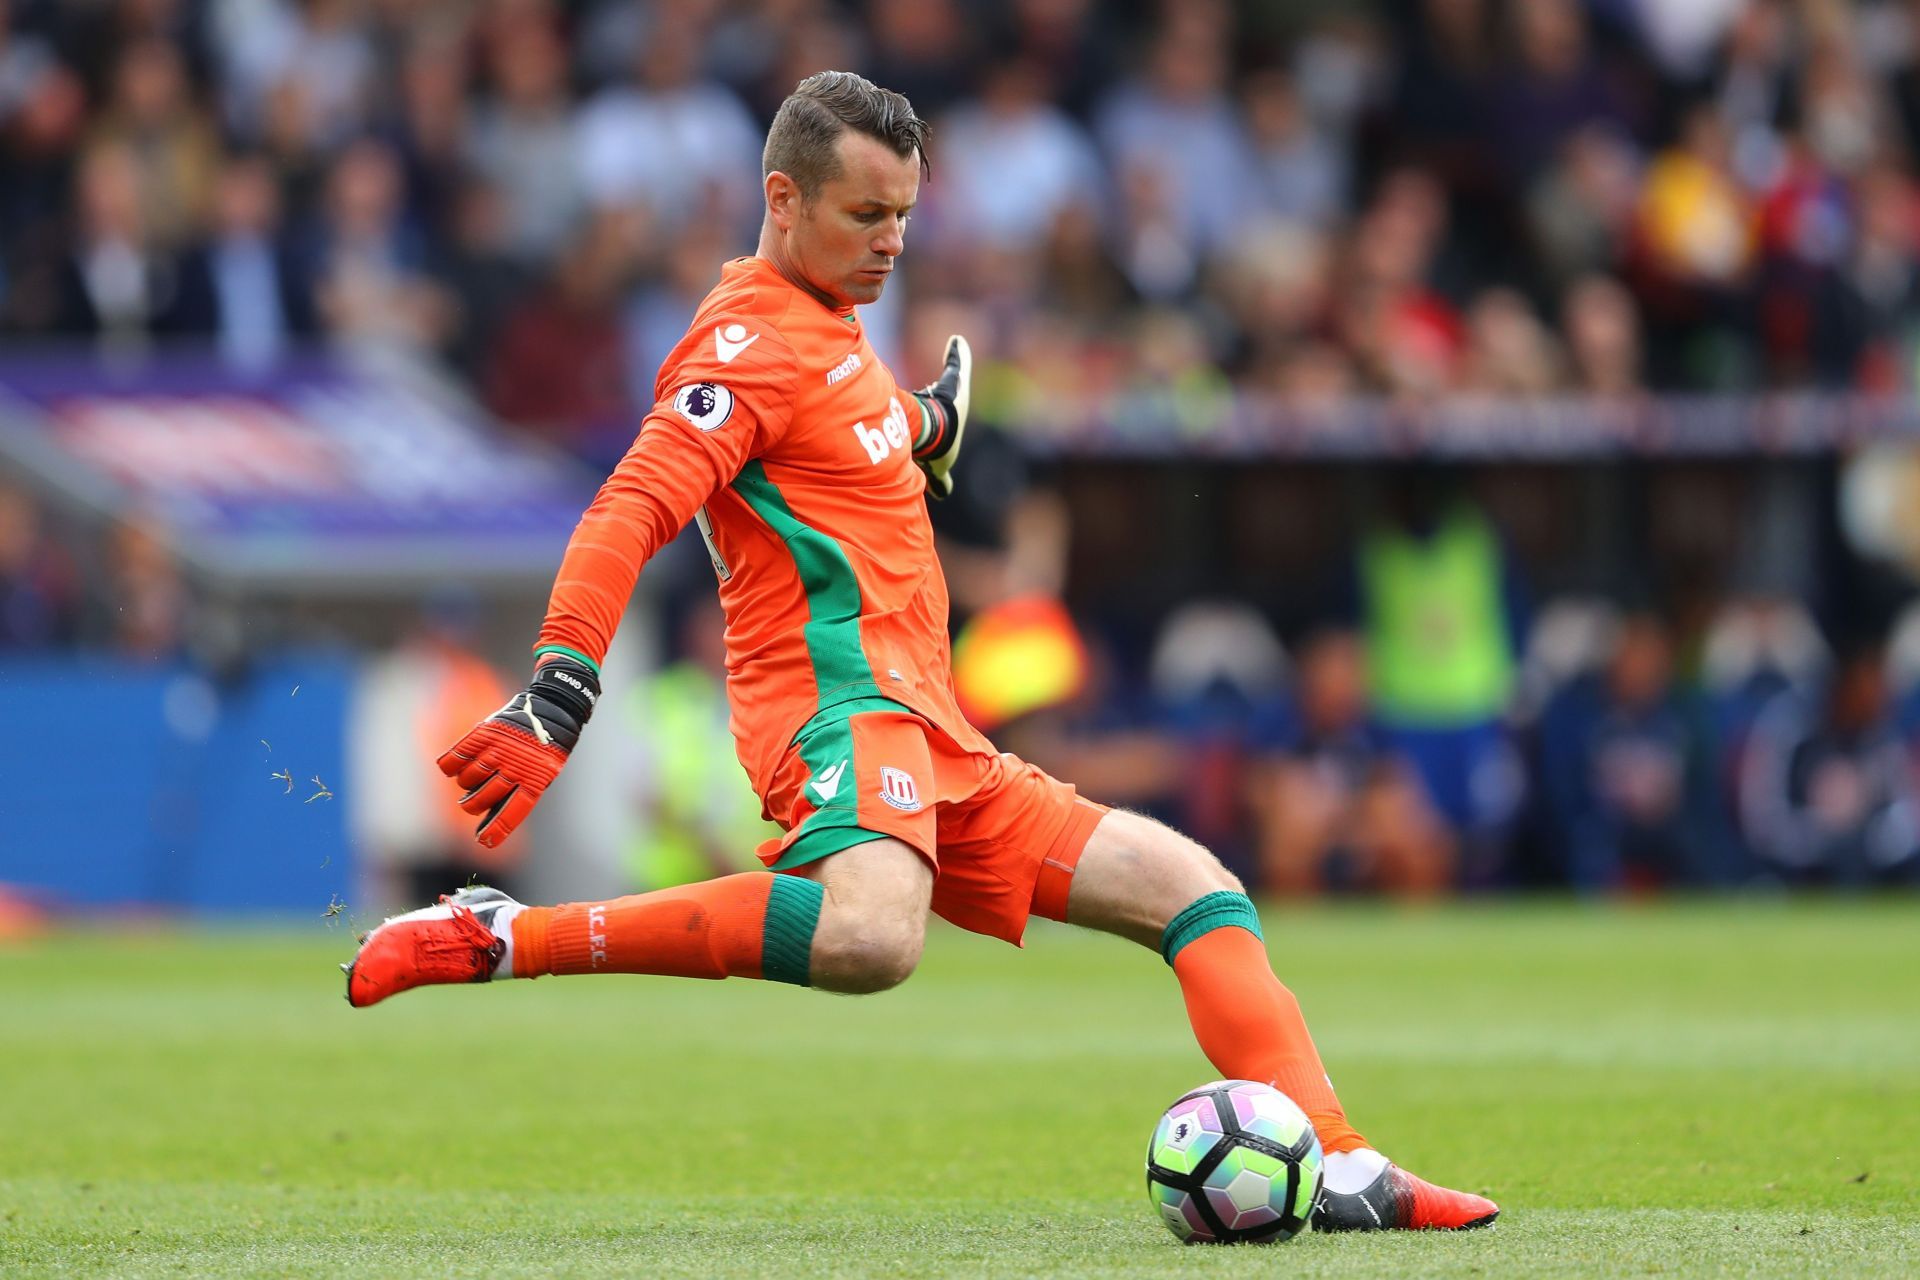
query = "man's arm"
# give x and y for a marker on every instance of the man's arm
(648, 499)
(693, 442)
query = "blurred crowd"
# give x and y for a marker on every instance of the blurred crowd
(1172, 212)
(1434, 724)
(1168, 205)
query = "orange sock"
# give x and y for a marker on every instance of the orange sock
(753, 925)
(1248, 1024)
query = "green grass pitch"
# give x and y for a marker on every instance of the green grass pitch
(1728, 1089)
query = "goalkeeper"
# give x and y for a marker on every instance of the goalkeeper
(777, 430)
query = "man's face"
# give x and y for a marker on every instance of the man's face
(843, 242)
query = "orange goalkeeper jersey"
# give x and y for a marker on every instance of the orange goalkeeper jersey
(776, 429)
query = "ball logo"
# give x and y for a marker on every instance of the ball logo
(897, 789)
(706, 405)
(1181, 1130)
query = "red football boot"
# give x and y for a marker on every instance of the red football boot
(447, 942)
(1398, 1201)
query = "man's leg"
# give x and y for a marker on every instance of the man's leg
(1143, 881)
(1147, 882)
(852, 922)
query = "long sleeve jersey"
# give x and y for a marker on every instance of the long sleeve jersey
(780, 433)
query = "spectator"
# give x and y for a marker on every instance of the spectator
(405, 709)
(1404, 334)
(657, 314)
(1558, 86)
(1218, 674)
(115, 283)
(1438, 605)
(39, 583)
(1753, 88)
(1078, 277)
(1509, 352)
(1069, 41)
(1580, 212)
(522, 140)
(1827, 793)
(433, 120)
(42, 112)
(682, 148)
(1603, 338)
(141, 606)
(1276, 286)
(1619, 754)
(1176, 143)
(290, 137)
(483, 279)
(923, 49)
(1441, 102)
(315, 51)
(1696, 242)
(558, 367)
(369, 264)
(152, 118)
(1844, 119)
(1695, 219)
(1336, 808)
(1865, 321)
(815, 38)
(239, 286)
(697, 814)
(1173, 380)
(1300, 174)
(1010, 165)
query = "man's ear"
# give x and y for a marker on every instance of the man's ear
(783, 200)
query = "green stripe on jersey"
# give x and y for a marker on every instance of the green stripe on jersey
(826, 744)
(832, 631)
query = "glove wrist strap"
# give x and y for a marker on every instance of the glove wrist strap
(936, 421)
(568, 683)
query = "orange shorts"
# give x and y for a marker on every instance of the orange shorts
(1002, 836)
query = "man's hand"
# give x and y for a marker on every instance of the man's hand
(507, 760)
(945, 410)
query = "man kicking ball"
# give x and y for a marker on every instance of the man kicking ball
(777, 429)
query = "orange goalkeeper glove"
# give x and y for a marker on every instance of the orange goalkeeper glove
(507, 760)
(944, 411)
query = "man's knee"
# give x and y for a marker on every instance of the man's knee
(1136, 875)
(874, 921)
(860, 961)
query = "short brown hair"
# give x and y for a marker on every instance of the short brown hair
(821, 108)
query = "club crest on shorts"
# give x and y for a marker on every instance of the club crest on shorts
(897, 789)
(707, 405)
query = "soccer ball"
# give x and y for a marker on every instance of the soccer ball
(1234, 1162)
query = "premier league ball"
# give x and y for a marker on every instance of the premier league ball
(1234, 1162)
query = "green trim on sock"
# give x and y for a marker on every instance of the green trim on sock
(565, 652)
(786, 943)
(1214, 911)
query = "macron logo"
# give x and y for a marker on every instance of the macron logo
(730, 341)
(826, 783)
(845, 368)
